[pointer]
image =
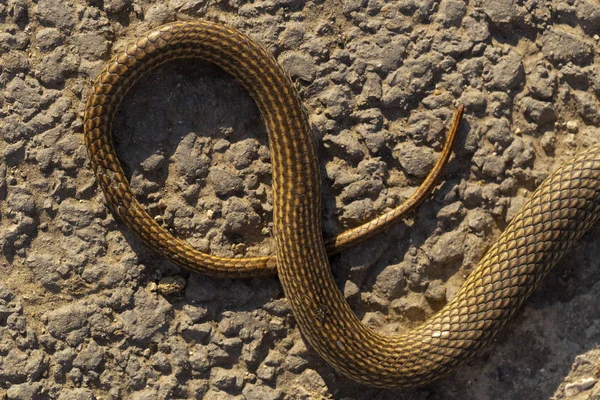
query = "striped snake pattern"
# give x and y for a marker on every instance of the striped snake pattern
(561, 210)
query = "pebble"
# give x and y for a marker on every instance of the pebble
(299, 65)
(479, 222)
(415, 160)
(508, 72)
(451, 12)
(226, 379)
(540, 112)
(48, 39)
(149, 315)
(261, 392)
(24, 391)
(116, 6)
(572, 126)
(90, 358)
(225, 183)
(573, 389)
(55, 13)
(587, 107)
(171, 285)
(58, 65)
(447, 248)
(503, 13)
(436, 294)
(391, 282)
(498, 132)
(562, 47)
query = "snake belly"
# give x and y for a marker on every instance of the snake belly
(561, 210)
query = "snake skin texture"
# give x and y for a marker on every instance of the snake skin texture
(253, 67)
(562, 209)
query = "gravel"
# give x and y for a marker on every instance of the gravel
(88, 312)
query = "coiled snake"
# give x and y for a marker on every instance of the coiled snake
(562, 209)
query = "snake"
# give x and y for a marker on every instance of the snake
(564, 207)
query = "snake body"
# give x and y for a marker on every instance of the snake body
(560, 211)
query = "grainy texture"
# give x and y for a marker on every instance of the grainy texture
(84, 312)
(563, 208)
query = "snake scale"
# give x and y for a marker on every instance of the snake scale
(559, 212)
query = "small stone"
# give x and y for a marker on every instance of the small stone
(48, 39)
(116, 6)
(494, 166)
(299, 65)
(225, 183)
(47, 269)
(261, 392)
(587, 107)
(346, 144)
(480, 222)
(573, 389)
(542, 82)
(572, 126)
(199, 358)
(266, 372)
(549, 142)
(160, 362)
(68, 323)
(196, 312)
(498, 132)
(57, 66)
(226, 379)
(477, 29)
(415, 160)
(239, 215)
(411, 307)
(153, 163)
(391, 282)
(92, 46)
(198, 332)
(561, 47)
(171, 285)
(503, 13)
(149, 315)
(371, 93)
(241, 154)
(293, 35)
(451, 12)
(90, 358)
(336, 101)
(448, 248)
(351, 291)
(471, 194)
(540, 112)
(436, 294)
(76, 394)
(158, 14)
(451, 214)
(473, 100)
(588, 12)
(508, 72)
(56, 13)
(310, 385)
(24, 391)
(516, 204)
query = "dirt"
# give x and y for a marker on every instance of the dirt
(87, 311)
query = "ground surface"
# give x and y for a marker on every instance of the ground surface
(87, 311)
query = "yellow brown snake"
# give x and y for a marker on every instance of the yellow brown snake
(560, 211)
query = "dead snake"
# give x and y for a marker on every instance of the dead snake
(561, 210)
